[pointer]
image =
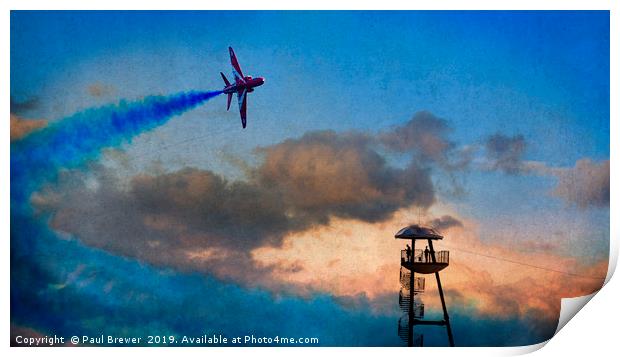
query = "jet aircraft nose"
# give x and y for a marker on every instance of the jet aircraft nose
(261, 80)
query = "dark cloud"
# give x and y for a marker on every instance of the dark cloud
(21, 127)
(505, 153)
(195, 219)
(23, 106)
(585, 185)
(445, 222)
(233, 214)
(425, 134)
(152, 220)
(326, 174)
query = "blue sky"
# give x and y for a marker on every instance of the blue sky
(542, 75)
(482, 71)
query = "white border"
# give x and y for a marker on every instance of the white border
(313, 5)
(589, 332)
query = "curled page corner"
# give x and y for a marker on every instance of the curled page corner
(570, 307)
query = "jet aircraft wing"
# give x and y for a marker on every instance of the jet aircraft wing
(237, 73)
(242, 98)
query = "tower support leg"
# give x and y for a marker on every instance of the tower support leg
(411, 296)
(443, 301)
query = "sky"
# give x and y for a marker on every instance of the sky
(491, 126)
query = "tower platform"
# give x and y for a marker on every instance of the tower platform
(423, 263)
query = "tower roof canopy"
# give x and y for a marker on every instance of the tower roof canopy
(415, 231)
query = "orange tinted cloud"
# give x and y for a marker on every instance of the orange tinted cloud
(21, 127)
(348, 258)
(170, 224)
(100, 90)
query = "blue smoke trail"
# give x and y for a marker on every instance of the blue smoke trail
(143, 300)
(66, 144)
(70, 142)
(37, 255)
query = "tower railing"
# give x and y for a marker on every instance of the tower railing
(419, 257)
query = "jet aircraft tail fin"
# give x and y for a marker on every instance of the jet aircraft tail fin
(225, 79)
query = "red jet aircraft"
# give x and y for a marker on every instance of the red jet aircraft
(242, 86)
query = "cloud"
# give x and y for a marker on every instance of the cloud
(485, 280)
(294, 224)
(20, 107)
(21, 127)
(505, 153)
(445, 222)
(194, 219)
(116, 296)
(100, 90)
(190, 220)
(310, 218)
(426, 135)
(326, 174)
(585, 185)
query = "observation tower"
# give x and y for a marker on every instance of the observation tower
(421, 262)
